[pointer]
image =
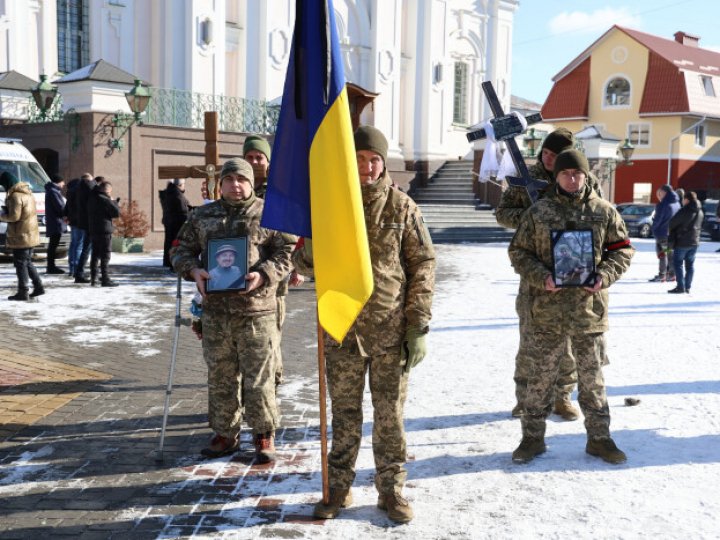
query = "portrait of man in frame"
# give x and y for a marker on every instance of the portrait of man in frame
(227, 264)
(573, 258)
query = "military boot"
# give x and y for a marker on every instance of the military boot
(339, 498)
(265, 447)
(221, 446)
(605, 449)
(397, 507)
(528, 449)
(565, 409)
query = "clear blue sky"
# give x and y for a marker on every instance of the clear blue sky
(549, 34)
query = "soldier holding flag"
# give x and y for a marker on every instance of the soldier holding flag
(387, 339)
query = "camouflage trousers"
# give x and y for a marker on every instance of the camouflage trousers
(388, 389)
(548, 350)
(278, 351)
(240, 356)
(567, 374)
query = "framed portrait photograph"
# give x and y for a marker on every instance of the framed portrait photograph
(573, 258)
(227, 264)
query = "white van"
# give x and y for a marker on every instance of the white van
(18, 160)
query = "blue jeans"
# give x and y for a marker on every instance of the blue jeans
(77, 235)
(687, 256)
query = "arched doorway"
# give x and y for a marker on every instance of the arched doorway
(48, 160)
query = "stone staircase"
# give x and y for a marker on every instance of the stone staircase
(451, 211)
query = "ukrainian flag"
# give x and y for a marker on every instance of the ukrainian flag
(313, 187)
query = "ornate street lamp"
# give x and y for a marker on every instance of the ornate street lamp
(44, 95)
(626, 150)
(138, 99)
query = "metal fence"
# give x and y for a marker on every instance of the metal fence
(181, 108)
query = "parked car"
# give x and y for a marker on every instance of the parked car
(638, 218)
(621, 206)
(711, 223)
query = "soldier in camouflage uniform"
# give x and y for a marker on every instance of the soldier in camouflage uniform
(387, 339)
(512, 206)
(574, 317)
(239, 329)
(257, 152)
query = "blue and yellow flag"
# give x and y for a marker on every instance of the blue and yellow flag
(313, 187)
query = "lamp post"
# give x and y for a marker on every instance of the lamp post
(138, 99)
(610, 165)
(44, 95)
(626, 151)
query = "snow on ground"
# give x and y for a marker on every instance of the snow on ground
(664, 350)
(90, 314)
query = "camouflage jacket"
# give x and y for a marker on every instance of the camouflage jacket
(403, 265)
(515, 201)
(283, 286)
(21, 217)
(571, 310)
(268, 253)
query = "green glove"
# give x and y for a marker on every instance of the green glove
(414, 349)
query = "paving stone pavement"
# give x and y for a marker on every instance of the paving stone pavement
(80, 432)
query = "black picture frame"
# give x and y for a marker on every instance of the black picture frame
(573, 255)
(233, 277)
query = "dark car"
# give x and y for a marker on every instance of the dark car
(622, 206)
(711, 223)
(638, 218)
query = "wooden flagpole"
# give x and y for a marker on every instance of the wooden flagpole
(323, 414)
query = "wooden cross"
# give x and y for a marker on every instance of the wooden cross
(506, 128)
(210, 169)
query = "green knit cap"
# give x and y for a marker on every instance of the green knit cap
(370, 138)
(238, 166)
(256, 142)
(572, 159)
(559, 140)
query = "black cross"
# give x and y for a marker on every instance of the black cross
(506, 128)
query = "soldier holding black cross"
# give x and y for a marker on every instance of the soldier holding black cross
(512, 206)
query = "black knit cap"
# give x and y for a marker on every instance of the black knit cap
(559, 140)
(370, 138)
(572, 159)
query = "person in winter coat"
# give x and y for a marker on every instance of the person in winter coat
(684, 239)
(55, 224)
(175, 210)
(668, 204)
(76, 233)
(257, 152)
(101, 210)
(239, 328)
(386, 340)
(82, 195)
(23, 234)
(568, 317)
(513, 204)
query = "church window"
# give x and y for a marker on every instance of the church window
(460, 95)
(72, 35)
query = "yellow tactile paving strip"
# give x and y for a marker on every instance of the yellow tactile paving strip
(32, 387)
